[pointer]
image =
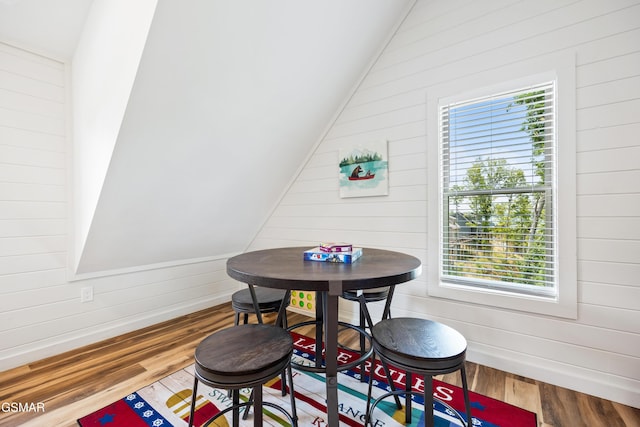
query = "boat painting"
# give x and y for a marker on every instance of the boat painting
(360, 178)
(363, 170)
(355, 175)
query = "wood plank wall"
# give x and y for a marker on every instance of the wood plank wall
(40, 309)
(599, 353)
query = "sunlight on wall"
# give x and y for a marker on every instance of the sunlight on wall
(103, 71)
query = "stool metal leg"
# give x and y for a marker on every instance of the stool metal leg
(245, 411)
(365, 310)
(465, 390)
(256, 306)
(407, 398)
(193, 401)
(236, 411)
(391, 383)
(362, 344)
(294, 411)
(281, 319)
(428, 401)
(320, 309)
(386, 313)
(367, 419)
(283, 383)
(257, 406)
(284, 374)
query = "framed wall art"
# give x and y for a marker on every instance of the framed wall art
(364, 170)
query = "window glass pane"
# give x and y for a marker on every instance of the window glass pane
(497, 181)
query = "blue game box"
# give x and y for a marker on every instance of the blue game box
(316, 254)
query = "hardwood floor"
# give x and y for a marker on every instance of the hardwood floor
(76, 383)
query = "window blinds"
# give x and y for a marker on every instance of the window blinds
(497, 180)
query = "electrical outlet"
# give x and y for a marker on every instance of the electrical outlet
(86, 294)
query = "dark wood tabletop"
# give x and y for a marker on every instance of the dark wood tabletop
(285, 268)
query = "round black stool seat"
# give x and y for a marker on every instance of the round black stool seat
(421, 344)
(245, 356)
(269, 300)
(424, 347)
(371, 295)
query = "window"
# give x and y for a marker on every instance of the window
(498, 184)
(501, 182)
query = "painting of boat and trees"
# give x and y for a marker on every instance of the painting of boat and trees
(363, 170)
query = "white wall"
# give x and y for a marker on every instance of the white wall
(40, 310)
(599, 353)
(104, 68)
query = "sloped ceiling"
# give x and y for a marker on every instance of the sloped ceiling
(51, 27)
(229, 98)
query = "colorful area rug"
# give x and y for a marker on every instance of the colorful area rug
(166, 403)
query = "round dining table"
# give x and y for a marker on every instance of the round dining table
(285, 268)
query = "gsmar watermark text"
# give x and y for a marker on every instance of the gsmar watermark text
(22, 407)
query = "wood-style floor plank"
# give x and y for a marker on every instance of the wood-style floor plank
(79, 382)
(489, 382)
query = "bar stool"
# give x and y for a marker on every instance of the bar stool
(370, 295)
(269, 301)
(423, 347)
(244, 356)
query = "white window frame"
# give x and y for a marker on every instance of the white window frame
(561, 70)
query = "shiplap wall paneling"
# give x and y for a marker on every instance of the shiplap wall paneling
(441, 42)
(40, 309)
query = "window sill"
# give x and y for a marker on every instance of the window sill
(560, 306)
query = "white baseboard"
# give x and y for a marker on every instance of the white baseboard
(42, 350)
(595, 383)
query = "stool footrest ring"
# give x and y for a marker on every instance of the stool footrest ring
(367, 420)
(341, 367)
(292, 420)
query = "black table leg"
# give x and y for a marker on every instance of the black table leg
(331, 352)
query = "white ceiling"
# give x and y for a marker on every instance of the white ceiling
(49, 26)
(229, 98)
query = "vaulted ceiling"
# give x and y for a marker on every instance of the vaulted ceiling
(228, 99)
